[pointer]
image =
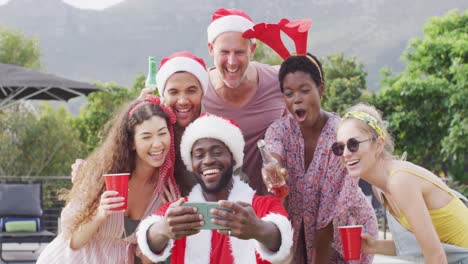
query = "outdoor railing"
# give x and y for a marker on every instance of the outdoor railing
(52, 205)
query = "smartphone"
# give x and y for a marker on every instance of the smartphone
(204, 209)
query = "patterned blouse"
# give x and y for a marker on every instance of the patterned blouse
(321, 194)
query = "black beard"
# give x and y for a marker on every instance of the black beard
(223, 183)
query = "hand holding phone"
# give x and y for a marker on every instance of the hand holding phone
(204, 208)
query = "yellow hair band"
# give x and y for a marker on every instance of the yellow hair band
(366, 118)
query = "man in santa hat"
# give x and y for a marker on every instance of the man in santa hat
(258, 230)
(241, 89)
(182, 79)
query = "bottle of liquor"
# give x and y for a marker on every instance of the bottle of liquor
(271, 167)
(151, 77)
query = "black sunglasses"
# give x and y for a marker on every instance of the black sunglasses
(352, 144)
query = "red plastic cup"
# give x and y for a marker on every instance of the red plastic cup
(351, 239)
(118, 182)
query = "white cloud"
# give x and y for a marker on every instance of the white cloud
(2, 2)
(90, 4)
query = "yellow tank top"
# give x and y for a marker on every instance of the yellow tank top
(450, 221)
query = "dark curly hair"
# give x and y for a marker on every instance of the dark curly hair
(304, 64)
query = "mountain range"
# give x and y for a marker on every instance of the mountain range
(112, 45)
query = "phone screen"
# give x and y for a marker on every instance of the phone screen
(204, 209)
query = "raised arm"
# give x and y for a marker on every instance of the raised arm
(85, 232)
(274, 140)
(408, 195)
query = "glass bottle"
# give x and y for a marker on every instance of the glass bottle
(271, 167)
(151, 77)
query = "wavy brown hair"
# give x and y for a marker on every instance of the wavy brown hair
(115, 155)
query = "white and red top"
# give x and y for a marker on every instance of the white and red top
(223, 249)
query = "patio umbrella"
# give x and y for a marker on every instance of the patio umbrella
(18, 83)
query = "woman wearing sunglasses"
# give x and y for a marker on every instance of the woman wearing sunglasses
(417, 198)
(321, 196)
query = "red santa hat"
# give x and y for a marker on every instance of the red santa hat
(212, 126)
(226, 20)
(182, 61)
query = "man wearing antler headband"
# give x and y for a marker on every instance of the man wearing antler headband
(321, 196)
(243, 90)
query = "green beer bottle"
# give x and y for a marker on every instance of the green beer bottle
(151, 77)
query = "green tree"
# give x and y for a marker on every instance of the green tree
(16, 48)
(37, 144)
(92, 122)
(345, 81)
(139, 84)
(417, 116)
(265, 54)
(443, 53)
(426, 104)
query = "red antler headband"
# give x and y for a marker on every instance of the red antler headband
(297, 30)
(270, 34)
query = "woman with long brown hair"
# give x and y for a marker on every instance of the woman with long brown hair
(140, 142)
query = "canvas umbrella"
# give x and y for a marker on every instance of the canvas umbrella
(18, 83)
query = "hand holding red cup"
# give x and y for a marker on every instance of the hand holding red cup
(351, 240)
(118, 182)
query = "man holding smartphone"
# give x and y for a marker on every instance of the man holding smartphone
(252, 228)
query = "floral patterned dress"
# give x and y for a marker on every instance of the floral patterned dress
(320, 194)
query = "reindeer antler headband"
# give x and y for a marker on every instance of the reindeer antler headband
(270, 34)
